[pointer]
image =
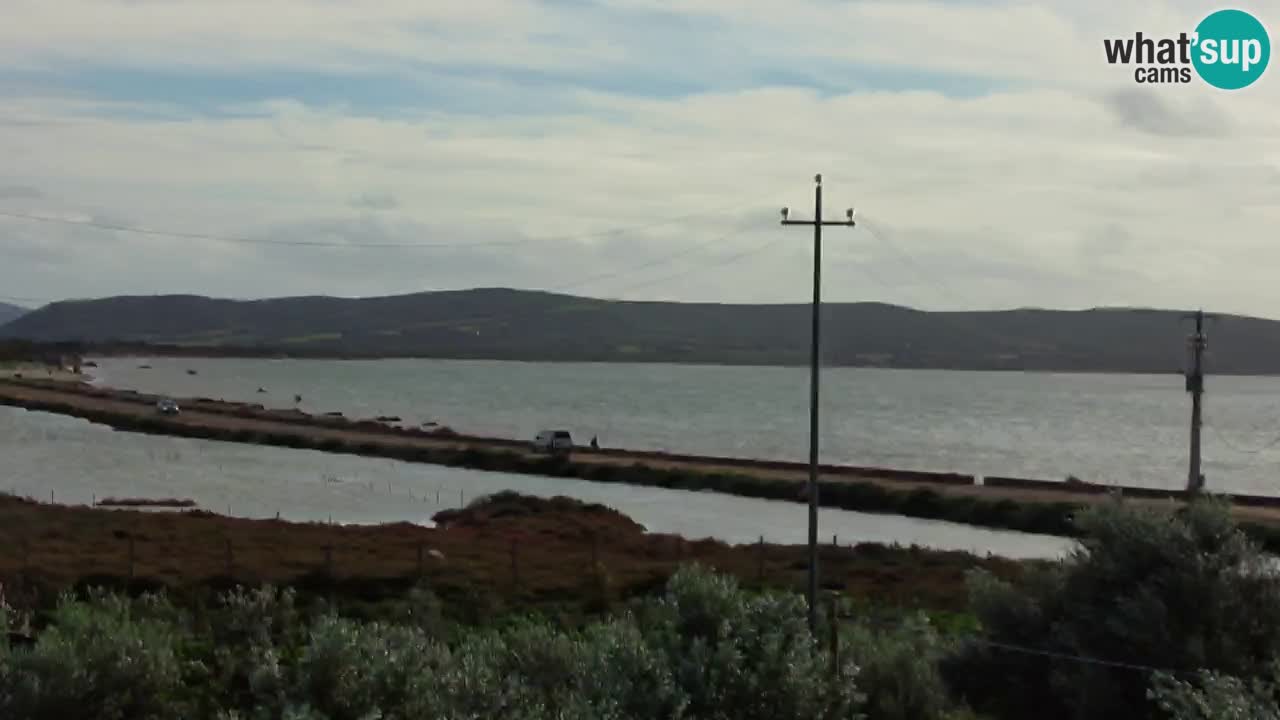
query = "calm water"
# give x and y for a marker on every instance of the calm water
(77, 461)
(1129, 429)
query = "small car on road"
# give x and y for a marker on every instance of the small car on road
(553, 441)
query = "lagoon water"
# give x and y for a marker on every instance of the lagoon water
(1121, 429)
(78, 462)
(1106, 428)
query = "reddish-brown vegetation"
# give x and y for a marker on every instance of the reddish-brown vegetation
(527, 551)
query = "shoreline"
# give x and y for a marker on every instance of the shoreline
(1019, 504)
(211, 352)
(554, 551)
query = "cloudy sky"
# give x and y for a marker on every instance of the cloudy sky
(628, 148)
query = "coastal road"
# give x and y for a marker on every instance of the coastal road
(240, 422)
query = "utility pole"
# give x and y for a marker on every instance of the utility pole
(1195, 386)
(816, 342)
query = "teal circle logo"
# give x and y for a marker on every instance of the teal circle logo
(1231, 49)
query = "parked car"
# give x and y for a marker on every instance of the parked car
(553, 441)
(167, 407)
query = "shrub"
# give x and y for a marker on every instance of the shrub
(351, 671)
(1216, 697)
(1146, 588)
(705, 649)
(740, 656)
(96, 661)
(898, 670)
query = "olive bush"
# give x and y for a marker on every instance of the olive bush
(1216, 697)
(898, 670)
(744, 656)
(705, 649)
(97, 661)
(1178, 591)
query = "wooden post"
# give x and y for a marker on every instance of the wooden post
(461, 502)
(515, 567)
(50, 497)
(834, 542)
(760, 560)
(437, 496)
(835, 637)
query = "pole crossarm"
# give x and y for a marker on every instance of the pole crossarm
(817, 223)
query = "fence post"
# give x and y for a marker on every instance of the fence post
(835, 637)
(760, 560)
(834, 541)
(515, 567)
(461, 503)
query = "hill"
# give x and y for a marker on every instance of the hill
(10, 312)
(527, 325)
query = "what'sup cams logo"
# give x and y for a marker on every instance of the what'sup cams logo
(1229, 50)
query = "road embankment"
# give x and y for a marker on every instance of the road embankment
(1004, 503)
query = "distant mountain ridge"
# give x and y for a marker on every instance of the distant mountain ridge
(509, 324)
(9, 313)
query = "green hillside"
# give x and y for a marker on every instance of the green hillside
(527, 325)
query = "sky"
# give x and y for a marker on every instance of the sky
(634, 149)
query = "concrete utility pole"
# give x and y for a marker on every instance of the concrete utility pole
(817, 222)
(1195, 386)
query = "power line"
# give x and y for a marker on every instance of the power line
(210, 237)
(623, 272)
(664, 260)
(716, 263)
(1085, 659)
(722, 262)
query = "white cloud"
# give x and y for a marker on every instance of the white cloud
(1064, 185)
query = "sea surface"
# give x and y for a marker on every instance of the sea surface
(1117, 429)
(54, 458)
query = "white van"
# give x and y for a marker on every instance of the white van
(553, 441)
